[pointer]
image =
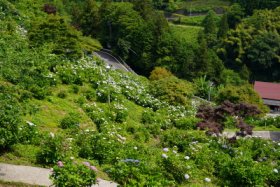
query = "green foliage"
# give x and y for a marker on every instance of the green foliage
(72, 174)
(71, 120)
(55, 30)
(224, 27)
(229, 77)
(187, 123)
(89, 19)
(244, 93)
(172, 90)
(190, 20)
(159, 73)
(29, 134)
(251, 5)
(103, 147)
(254, 44)
(51, 150)
(209, 24)
(10, 112)
(202, 6)
(204, 88)
(235, 15)
(265, 122)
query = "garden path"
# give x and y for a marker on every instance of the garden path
(273, 135)
(35, 175)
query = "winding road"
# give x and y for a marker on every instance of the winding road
(111, 60)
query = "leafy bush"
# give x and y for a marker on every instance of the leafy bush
(159, 73)
(62, 94)
(133, 172)
(244, 93)
(29, 133)
(172, 90)
(72, 120)
(263, 122)
(69, 174)
(55, 30)
(51, 150)
(187, 123)
(10, 111)
(103, 147)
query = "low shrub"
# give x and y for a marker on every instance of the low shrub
(62, 94)
(70, 174)
(187, 123)
(71, 120)
(10, 111)
(51, 151)
(28, 133)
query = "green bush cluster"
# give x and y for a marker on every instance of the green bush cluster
(70, 174)
(72, 120)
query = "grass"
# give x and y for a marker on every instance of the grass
(52, 110)
(15, 184)
(191, 20)
(21, 155)
(203, 5)
(187, 33)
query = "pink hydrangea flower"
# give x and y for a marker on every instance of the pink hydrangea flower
(60, 164)
(86, 164)
(93, 168)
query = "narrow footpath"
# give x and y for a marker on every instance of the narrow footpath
(35, 175)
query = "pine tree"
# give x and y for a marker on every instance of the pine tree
(223, 27)
(210, 28)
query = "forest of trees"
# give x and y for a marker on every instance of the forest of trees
(244, 41)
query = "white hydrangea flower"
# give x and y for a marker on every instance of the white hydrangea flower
(187, 157)
(207, 180)
(52, 134)
(165, 149)
(164, 156)
(186, 176)
(275, 170)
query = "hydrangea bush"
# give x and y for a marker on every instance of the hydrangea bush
(72, 174)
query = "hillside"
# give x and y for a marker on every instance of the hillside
(64, 108)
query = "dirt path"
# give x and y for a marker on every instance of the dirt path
(34, 175)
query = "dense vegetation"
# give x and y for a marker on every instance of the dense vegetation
(61, 107)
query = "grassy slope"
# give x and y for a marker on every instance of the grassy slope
(188, 33)
(199, 5)
(52, 110)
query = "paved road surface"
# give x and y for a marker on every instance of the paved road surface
(273, 135)
(111, 60)
(35, 175)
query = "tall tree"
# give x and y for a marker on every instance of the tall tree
(224, 27)
(210, 28)
(235, 15)
(89, 18)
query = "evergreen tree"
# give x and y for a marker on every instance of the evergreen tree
(223, 27)
(235, 15)
(210, 28)
(89, 20)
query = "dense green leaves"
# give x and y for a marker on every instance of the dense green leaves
(10, 112)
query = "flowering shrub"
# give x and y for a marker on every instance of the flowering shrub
(131, 172)
(51, 150)
(28, 133)
(72, 174)
(103, 147)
